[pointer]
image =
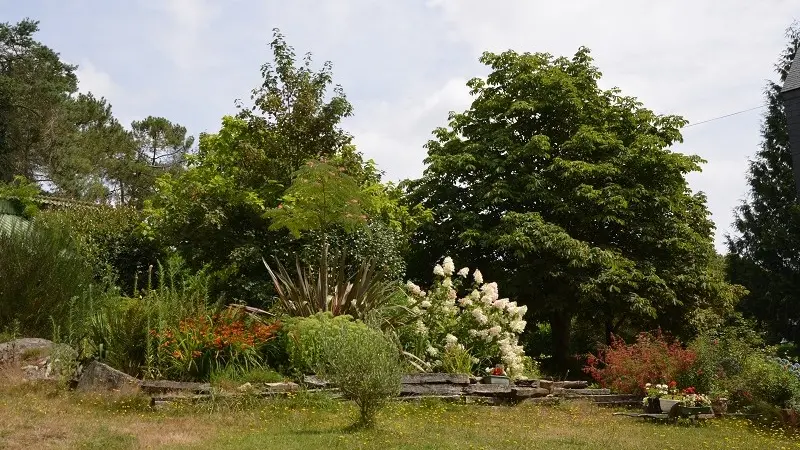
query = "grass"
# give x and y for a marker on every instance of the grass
(43, 417)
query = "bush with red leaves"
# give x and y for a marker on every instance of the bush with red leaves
(626, 368)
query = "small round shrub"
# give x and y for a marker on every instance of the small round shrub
(365, 365)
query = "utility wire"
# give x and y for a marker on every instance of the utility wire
(726, 115)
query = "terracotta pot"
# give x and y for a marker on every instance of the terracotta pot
(653, 406)
(667, 404)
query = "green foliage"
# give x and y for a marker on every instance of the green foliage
(42, 274)
(764, 251)
(232, 376)
(570, 195)
(764, 380)
(306, 336)
(17, 198)
(321, 196)
(364, 365)
(331, 287)
(112, 238)
(456, 359)
(124, 331)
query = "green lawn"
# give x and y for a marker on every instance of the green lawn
(43, 417)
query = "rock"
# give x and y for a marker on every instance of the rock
(311, 381)
(528, 392)
(436, 378)
(487, 389)
(430, 389)
(580, 392)
(524, 382)
(542, 401)
(245, 387)
(23, 349)
(101, 377)
(278, 388)
(550, 384)
(162, 386)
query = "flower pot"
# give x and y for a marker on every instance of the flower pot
(651, 406)
(694, 410)
(495, 379)
(667, 404)
(720, 406)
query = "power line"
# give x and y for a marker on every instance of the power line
(726, 115)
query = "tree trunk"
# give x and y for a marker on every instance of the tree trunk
(561, 330)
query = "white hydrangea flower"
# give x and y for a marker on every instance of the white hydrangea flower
(495, 330)
(452, 295)
(475, 360)
(425, 304)
(450, 340)
(463, 272)
(466, 301)
(478, 276)
(438, 270)
(413, 288)
(479, 316)
(500, 304)
(416, 311)
(518, 326)
(431, 350)
(421, 328)
(448, 267)
(448, 283)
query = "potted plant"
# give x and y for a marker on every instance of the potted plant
(651, 402)
(496, 375)
(693, 403)
(669, 397)
(719, 402)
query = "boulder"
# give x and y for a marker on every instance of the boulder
(281, 387)
(101, 377)
(436, 378)
(314, 382)
(22, 349)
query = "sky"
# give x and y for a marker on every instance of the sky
(404, 64)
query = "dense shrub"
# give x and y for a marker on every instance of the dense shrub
(762, 380)
(721, 355)
(626, 368)
(466, 314)
(364, 365)
(41, 275)
(122, 331)
(111, 238)
(305, 337)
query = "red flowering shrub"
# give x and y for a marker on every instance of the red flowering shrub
(201, 344)
(626, 368)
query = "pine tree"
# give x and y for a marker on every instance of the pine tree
(765, 249)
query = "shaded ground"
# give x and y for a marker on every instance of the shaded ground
(43, 417)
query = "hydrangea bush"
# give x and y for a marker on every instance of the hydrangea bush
(462, 312)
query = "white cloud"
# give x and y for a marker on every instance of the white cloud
(393, 134)
(182, 37)
(91, 79)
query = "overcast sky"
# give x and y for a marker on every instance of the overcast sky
(403, 64)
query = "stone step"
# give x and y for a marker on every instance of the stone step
(580, 392)
(163, 386)
(435, 378)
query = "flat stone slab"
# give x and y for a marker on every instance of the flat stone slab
(435, 378)
(432, 389)
(281, 387)
(580, 392)
(487, 389)
(314, 382)
(541, 401)
(527, 383)
(550, 384)
(161, 386)
(528, 392)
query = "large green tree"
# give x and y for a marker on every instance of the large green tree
(765, 247)
(216, 212)
(570, 197)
